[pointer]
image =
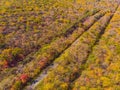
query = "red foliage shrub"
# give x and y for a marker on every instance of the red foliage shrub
(24, 78)
(43, 63)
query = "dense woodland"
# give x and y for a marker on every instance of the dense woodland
(59, 45)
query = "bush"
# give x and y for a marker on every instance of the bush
(16, 86)
(24, 78)
(10, 56)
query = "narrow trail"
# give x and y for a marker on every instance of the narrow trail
(96, 42)
(46, 70)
